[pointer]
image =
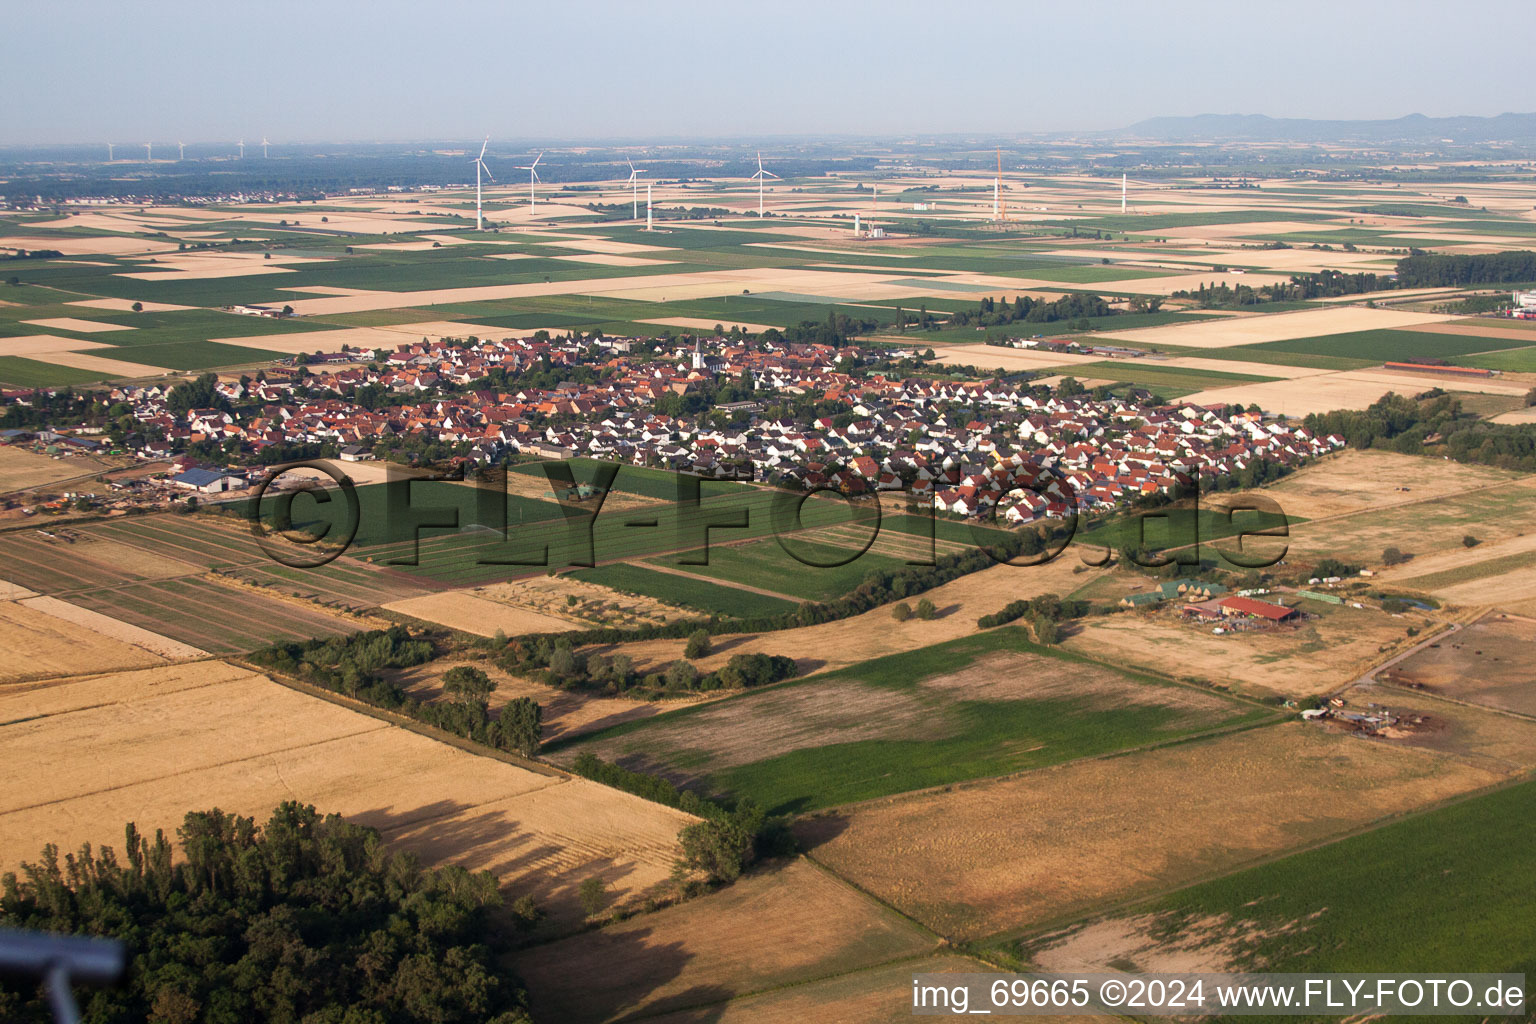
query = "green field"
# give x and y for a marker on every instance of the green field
(466, 549)
(1449, 887)
(1514, 360)
(1388, 345)
(32, 373)
(1167, 381)
(910, 721)
(710, 598)
(764, 563)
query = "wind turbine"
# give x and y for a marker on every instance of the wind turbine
(149, 153)
(647, 206)
(762, 177)
(634, 180)
(109, 152)
(263, 147)
(480, 166)
(241, 144)
(181, 151)
(1123, 180)
(533, 176)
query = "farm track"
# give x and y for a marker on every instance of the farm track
(671, 571)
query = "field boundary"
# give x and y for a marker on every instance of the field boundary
(1115, 906)
(538, 767)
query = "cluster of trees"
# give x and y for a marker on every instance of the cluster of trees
(924, 611)
(1327, 284)
(725, 843)
(64, 406)
(352, 665)
(1434, 422)
(838, 329)
(1301, 287)
(304, 918)
(1046, 613)
(1024, 309)
(1434, 270)
(557, 662)
(201, 393)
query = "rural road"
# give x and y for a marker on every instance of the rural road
(1370, 676)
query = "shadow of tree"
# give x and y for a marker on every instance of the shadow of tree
(491, 837)
(819, 829)
(611, 975)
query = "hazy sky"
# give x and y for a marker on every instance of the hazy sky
(366, 70)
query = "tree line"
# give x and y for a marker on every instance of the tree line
(1433, 423)
(353, 664)
(1437, 270)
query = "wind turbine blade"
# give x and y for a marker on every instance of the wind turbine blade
(536, 161)
(487, 142)
(487, 170)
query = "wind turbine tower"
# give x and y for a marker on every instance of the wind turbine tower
(109, 152)
(149, 152)
(533, 176)
(647, 206)
(480, 166)
(762, 177)
(634, 181)
(241, 144)
(263, 147)
(998, 212)
(181, 151)
(1122, 192)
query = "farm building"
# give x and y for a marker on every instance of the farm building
(1141, 600)
(209, 481)
(1247, 607)
(1191, 590)
(1312, 595)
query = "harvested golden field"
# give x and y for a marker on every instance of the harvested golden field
(874, 634)
(21, 469)
(784, 925)
(1357, 479)
(998, 857)
(461, 609)
(1344, 389)
(1497, 572)
(169, 740)
(1322, 653)
(40, 645)
(1493, 513)
(1254, 330)
(593, 605)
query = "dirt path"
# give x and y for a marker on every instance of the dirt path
(706, 579)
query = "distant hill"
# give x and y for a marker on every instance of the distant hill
(1414, 128)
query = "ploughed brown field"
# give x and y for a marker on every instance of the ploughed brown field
(153, 744)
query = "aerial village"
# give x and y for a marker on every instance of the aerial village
(990, 449)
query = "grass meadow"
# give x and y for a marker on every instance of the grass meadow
(909, 721)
